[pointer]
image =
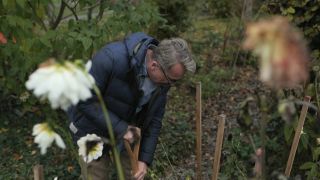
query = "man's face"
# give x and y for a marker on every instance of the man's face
(159, 75)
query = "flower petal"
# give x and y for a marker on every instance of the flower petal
(59, 141)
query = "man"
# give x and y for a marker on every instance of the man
(134, 76)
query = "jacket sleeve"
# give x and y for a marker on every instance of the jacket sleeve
(101, 70)
(150, 137)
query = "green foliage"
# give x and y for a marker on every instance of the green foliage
(231, 8)
(279, 135)
(176, 142)
(213, 81)
(177, 15)
(304, 14)
(236, 154)
(37, 30)
(219, 8)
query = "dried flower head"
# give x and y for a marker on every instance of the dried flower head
(282, 51)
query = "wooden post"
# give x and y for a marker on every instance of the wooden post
(217, 151)
(38, 172)
(297, 135)
(198, 131)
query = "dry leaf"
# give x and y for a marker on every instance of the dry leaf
(17, 156)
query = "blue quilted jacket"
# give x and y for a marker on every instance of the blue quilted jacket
(115, 69)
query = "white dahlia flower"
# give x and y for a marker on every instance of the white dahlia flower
(62, 84)
(90, 147)
(44, 136)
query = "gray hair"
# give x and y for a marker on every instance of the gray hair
(173, 51)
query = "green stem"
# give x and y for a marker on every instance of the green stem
(68, 138)
(71, 144)
(110, 131)
(165, 153)
(263, 126)
(316, 89)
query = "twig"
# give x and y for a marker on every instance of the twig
(166, 154)
(217, 151)
(297, 135)
(198, 130)
(73, 11)
(50, 12)
(40, 22)
(225, 40)
(310, 105)
(101, 10)
(93, 6)
(81, 10)
(89, 14)
(252, 142)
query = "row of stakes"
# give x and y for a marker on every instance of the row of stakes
(220, 135)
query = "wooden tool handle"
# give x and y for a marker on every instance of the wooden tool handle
(137, 145)
(133, 161)
(134, 154)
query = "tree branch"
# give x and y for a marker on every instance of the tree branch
(90, 13)
(59, 17)
(101, 10)
(82, 10)
(39, 20)
(72, 9)
(50, 12)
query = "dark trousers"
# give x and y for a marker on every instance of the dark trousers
(104, 168)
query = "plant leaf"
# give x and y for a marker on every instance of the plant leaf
(307, 165)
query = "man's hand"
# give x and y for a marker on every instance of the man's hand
(131, 134)
(142, 170)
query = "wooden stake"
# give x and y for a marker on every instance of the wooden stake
(38, 172)
(217, 151)
(297, 135)
(198, 130)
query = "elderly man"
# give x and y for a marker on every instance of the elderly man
(134, 76)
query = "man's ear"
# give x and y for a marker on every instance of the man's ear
(154, 65)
